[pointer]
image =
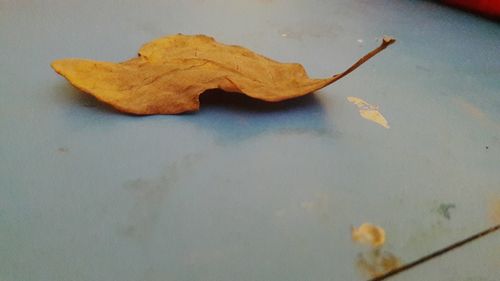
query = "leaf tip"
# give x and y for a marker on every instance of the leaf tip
(57, 65)
(61, 65)
(388, 40)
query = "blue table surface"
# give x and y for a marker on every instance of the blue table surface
(243, 190)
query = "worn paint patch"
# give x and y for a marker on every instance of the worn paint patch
(369, 111)
(377, 262)
(475, 112)
(369, 234)
(320, 206)
(444, 210)
(63, 150)
(150, 195)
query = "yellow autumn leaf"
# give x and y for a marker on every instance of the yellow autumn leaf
(170, 74)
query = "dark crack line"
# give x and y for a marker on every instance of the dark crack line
(436, 254)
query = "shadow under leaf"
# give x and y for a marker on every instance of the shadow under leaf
(235, 117)
(229, 116)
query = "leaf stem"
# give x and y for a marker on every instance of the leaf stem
(386, 41)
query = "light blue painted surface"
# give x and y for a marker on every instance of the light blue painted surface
(248, 191)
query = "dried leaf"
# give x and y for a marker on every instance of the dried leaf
(171, 73)
(369, 234)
